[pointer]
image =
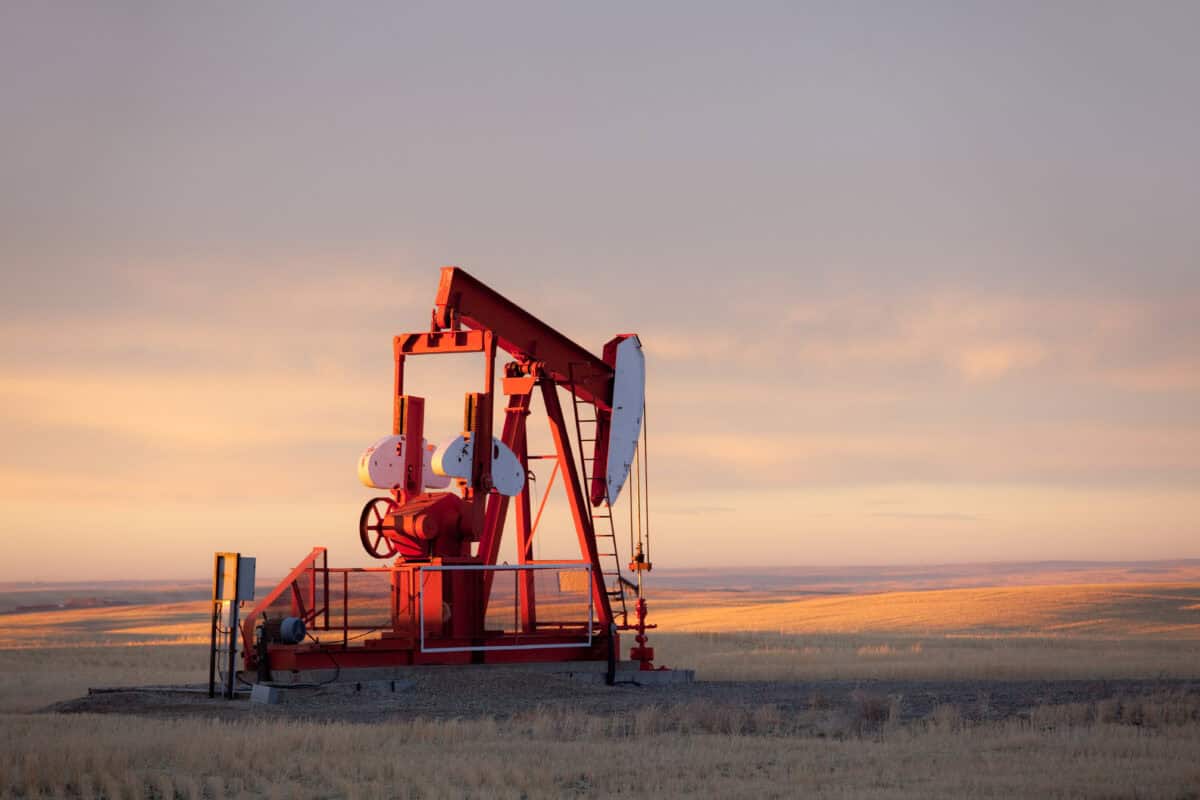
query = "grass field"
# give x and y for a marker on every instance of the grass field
(1123, 611)
(1059, 752)
(1145, 611)
(1147, 746)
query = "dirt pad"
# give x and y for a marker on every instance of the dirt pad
(465, 693)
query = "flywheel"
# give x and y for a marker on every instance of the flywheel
(372, 529)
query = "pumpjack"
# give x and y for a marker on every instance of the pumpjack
(440, 519)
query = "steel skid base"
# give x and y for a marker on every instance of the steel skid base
(436, 612)
(587, 672)
(386, 653)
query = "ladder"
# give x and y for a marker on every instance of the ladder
(603, 526)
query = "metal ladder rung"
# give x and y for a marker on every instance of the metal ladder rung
(620, 609)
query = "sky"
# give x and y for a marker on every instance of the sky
(917, 282)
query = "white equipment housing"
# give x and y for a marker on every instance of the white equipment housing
(453, 460)
(629, 403)
(381, 466)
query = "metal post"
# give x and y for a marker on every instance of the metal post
(231, 676)
(419, 576)
(212, 650)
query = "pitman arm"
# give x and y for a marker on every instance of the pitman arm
(464, 300)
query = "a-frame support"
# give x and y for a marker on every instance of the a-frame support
(575, 499)
(514, 436)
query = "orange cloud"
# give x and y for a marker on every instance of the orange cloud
(992, 361)
(256, 405)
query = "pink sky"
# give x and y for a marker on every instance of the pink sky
(912, 287)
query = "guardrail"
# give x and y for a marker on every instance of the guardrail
(523, 633)
(310, 592)
(546, 605)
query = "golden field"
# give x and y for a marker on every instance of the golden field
(1148, 610)
(1066, 751)
(1027, 632)
(1148, 746)
(1145, 611)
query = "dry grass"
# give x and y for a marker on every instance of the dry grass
(31, 679)
(1058, 752)
(1006, 633)
(161, 623)
(1117, 611)
(1111, 611)
(34, 678)
(1146, 747)
(774, 656)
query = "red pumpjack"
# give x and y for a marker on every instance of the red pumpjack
(445, 599)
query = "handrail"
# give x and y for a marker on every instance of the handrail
(313, 575)
(589, 627)
(287, 583)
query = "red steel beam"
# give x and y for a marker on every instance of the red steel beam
(463, 299)
(415, 344)
(513, 437)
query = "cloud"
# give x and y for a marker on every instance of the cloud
(193, 411)
(766, 410)
(979, 338)
(696, 511)
(1060, 454)
(991, 361)
(934, 517)
(1136, 344)
(827, 525)
(1173, 374)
